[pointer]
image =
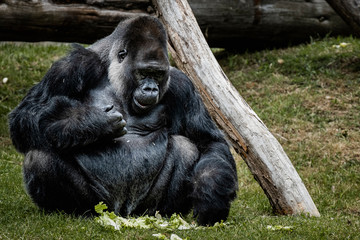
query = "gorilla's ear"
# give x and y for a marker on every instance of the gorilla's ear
(73, 75)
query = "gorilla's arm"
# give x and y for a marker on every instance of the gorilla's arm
(53, 114)
(68, 124)
(215, 177)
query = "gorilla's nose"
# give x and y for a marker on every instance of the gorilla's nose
(150, 88)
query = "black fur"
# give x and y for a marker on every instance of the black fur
(168, 155)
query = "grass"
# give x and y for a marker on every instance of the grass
(307, 95)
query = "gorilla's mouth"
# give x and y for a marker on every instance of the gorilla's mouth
(146, 94)
(142, 105)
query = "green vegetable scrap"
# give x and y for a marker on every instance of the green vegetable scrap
(163, 237)
(160, 236)
(279, 228)
(110, 220)
(114, 222)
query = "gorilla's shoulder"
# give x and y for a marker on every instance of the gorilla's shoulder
(74, 74)
(180, 84)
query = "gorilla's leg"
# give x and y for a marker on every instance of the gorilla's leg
(214, 185)
(56, 184)
(183, 154)
(171, 190)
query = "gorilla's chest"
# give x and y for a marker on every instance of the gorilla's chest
(129, 159)
(127, 168)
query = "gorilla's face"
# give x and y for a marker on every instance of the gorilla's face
(139, 65)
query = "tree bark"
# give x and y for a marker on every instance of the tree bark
(349, 11)
(226, 23)
(258, 24)
(249, 136)
(82, 21)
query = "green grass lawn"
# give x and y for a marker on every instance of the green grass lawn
(309, 98)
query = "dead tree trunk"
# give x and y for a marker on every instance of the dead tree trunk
(262, 152)
(349, 11)
(63, 20)
(226, 23)
(261, 24)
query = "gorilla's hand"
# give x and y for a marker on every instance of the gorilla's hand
(115, 121)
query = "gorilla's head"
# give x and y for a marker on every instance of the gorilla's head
(138, 61)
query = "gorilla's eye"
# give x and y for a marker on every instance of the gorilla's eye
(121, 55)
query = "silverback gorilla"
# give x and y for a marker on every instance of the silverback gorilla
(115, 123)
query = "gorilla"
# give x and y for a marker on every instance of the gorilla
(114, 122)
